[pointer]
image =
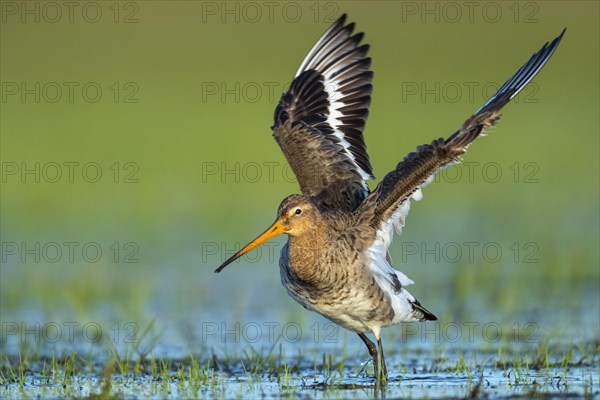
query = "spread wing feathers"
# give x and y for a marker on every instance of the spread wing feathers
(417, 169)
(522, 77)
(311, 155)
(389, 203)
(327, 106)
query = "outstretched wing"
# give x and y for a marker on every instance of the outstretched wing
(387, 207)
(319, 122)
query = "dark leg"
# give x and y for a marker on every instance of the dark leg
(383, 367)
(372, 351)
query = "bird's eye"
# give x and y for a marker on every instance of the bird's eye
(298, 211)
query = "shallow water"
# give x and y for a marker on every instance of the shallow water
(243, 349)
(414, 376)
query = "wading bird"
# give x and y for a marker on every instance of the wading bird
(336, 259)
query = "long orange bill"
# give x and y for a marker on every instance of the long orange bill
(276, 229)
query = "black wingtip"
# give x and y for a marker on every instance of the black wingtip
(349, 28)
(522, 77)
(341, 20)
(557, 39)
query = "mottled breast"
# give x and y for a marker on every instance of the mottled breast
(334, 281)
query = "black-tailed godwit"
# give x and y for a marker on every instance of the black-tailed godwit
(336, 259)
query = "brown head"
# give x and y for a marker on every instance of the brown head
(296, 216)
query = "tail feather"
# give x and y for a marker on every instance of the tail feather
(426, 314)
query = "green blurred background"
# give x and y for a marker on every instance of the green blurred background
(190, 171)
